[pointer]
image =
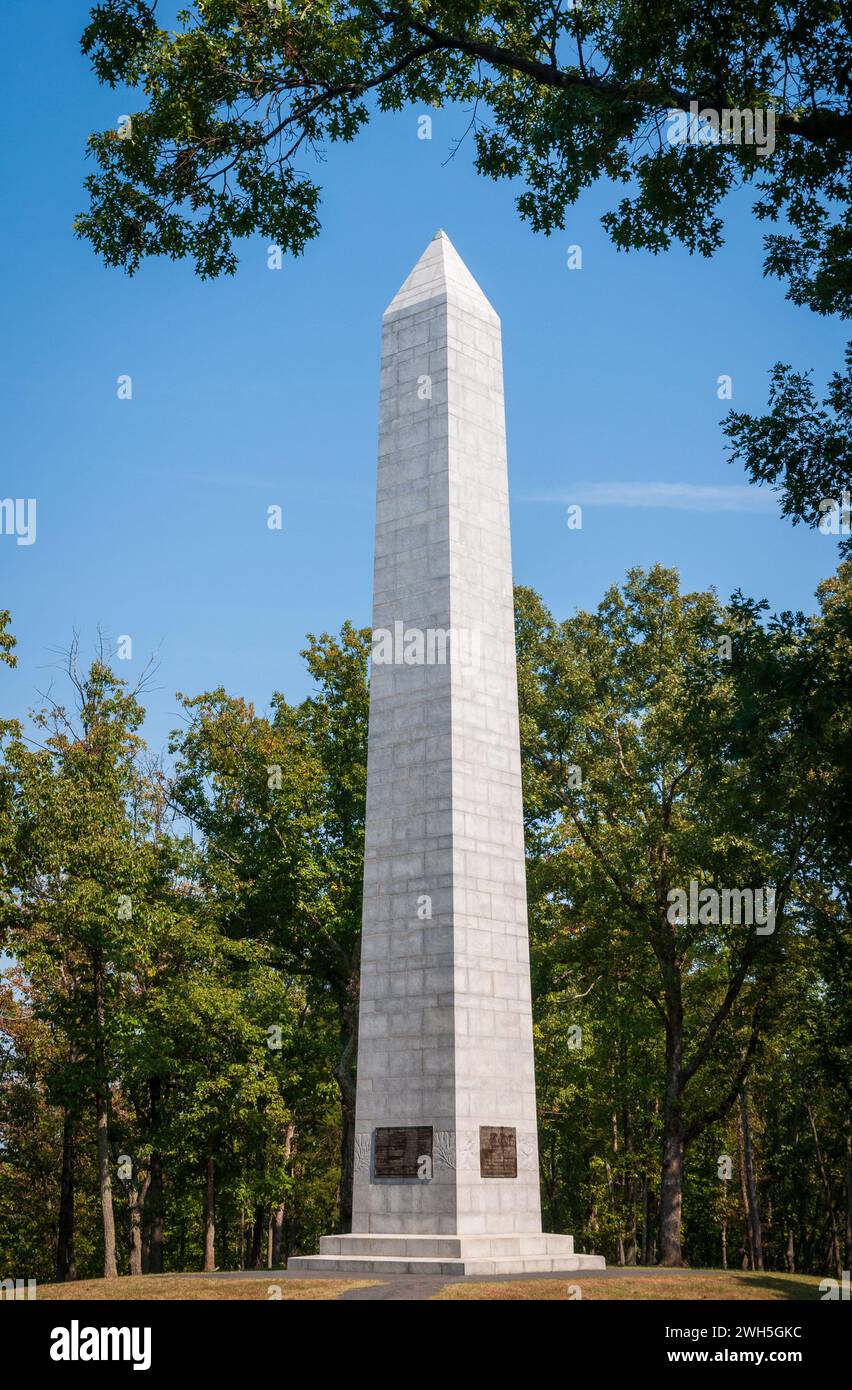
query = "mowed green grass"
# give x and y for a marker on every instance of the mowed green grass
(683, 1287)
(730, 1287)
(134, 1288)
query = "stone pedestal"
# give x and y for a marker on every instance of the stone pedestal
(446, 1153)
(400, 1254)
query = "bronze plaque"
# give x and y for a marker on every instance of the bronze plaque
(498, 1152)
(398, 1151)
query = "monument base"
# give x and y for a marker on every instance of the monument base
(462, 1254)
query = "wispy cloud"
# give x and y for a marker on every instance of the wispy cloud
(684, 497)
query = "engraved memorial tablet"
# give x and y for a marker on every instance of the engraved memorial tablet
(498, 1152)
(399, 1151)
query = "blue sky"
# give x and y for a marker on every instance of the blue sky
(263, 389)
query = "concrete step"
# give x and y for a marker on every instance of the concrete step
(392, 1264)
(373, 1264)
(533, 1264)
(448, 1247)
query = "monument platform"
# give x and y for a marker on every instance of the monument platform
(465, 1254)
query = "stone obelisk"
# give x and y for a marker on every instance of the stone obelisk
(446, 1154)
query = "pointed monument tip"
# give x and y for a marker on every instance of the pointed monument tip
(441, 274)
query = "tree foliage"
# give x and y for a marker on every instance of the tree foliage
(187, 1067)
(560, 97)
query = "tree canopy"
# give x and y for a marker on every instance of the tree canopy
(561, 95)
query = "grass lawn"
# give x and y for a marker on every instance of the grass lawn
(176, 1286)
(734, 1287)
(683, 1287)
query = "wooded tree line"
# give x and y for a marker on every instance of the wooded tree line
(178, 1005)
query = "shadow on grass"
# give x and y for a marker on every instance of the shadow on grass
(665, 1285)
(791, 1287)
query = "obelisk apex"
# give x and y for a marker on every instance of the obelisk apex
(446, 1154)
(440, 270)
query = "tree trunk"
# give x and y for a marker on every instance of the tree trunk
(835, 1238)
(153, 1210)
(279, 1212)
(347, 1156)
(551, 1183)
(345, 1076)
(671, 1195)
(102, 1120)
(66, 1260)
(724, 1242)
(105, 1186)
(630, 1188)
(613, 1202)
(592, 1225)
(209, 1220)
(277, 1235)
(134, 1203)
(154, 1215)
(671, 1185)
(791, 1253)
(848, 1198)
(748, 1245)
(756, 1233)
(258, 1228)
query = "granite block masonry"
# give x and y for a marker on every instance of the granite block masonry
(446, 1149)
